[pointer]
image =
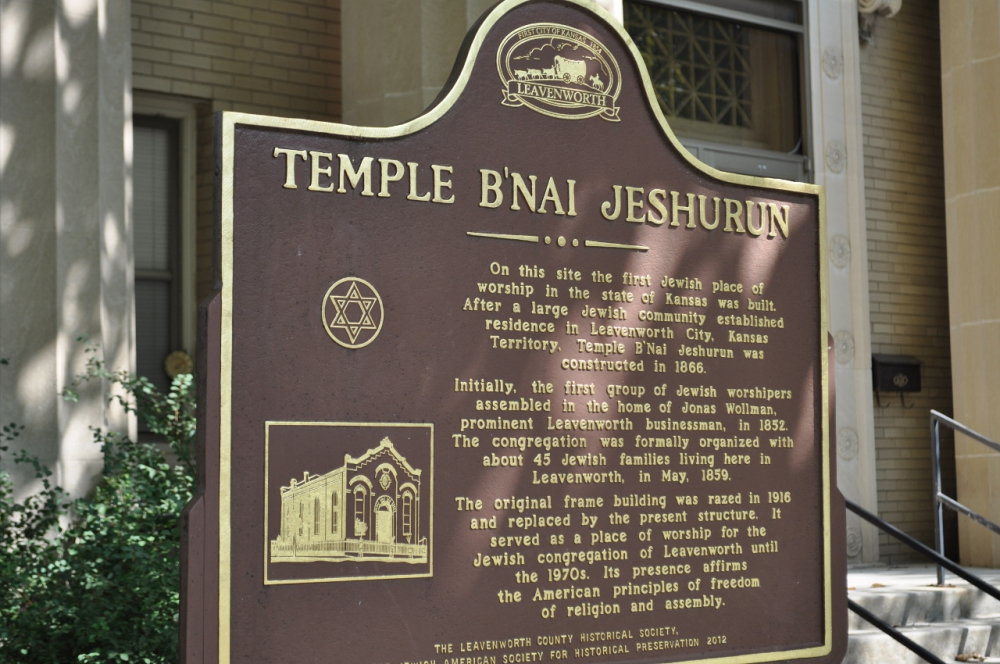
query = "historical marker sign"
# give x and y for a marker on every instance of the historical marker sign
(518, 381)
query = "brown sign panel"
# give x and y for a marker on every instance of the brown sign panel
(518, 381)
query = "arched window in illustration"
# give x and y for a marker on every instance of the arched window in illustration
(333, 514)
(315, 516)
(360, 520)
(408, 517)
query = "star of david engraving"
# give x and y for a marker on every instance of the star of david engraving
(352, 312)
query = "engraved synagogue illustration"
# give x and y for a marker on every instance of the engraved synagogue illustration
(367, 509)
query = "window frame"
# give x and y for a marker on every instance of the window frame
(172, 274)
(766, 161)
(184, 113)
(706, 8)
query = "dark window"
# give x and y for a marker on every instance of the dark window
(155, 244)
(729, 74)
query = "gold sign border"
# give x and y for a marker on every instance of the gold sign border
(229, 122)
(430, 523)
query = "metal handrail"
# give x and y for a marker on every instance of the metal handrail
(923, 549)
(940, 499)
(927, 552)
(940, 502)
(893, 632)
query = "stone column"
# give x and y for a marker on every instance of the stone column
(65, 231)
(835, 88)
(970, 72)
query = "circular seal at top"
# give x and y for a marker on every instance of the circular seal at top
(352, 312)
(559, 71)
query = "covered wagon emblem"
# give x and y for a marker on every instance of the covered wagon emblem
(559, 71)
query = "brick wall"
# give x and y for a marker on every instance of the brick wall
(908, 286)
(274, 57)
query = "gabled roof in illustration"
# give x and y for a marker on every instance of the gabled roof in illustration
(385, 446)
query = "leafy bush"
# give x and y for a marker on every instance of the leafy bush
(97, 579)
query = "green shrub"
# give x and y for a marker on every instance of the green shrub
(97, 579)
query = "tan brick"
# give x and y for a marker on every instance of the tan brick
(213, 77)
(165, 13)
(222, 37)
(323, 13)
(150, 83)
(901, 126)
(232, 11)
(278, 46)
(148, 55)
(173, 72)
(189, 60)
(213, 50)
(191, 89)
(289, 8)
(269, 18)
(251, 28)
(203, 6)
(233, 93)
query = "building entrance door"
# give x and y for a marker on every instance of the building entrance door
(383, 525)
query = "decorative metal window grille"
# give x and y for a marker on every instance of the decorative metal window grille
(700, 66)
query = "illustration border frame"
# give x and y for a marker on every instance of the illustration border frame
(430, 535)
(229, 120)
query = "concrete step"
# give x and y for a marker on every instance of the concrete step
(957, 619)
(946, 640)
(910, 606)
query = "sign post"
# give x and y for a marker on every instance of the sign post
(517, 381)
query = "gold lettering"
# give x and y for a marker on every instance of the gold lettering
(385, 178)
(440, 183)
(551, 194)
(704, 222)
(689, 208)
(317, 171)
(634, 204)
(355, 176)
(413, 196)
(289, 155)
(777, 216)
(734, 215)
(606, 205)
(656, 197)
(487, 187)
(760, 226)
(520, 185)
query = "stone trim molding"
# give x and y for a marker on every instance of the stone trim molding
(868, 10)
